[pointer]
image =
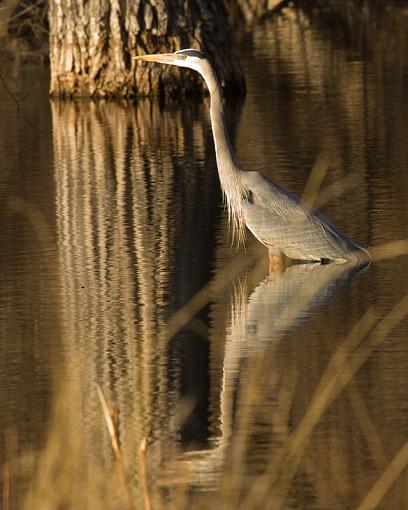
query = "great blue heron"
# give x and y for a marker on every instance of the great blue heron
(277, 218)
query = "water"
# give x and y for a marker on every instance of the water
(112, 220)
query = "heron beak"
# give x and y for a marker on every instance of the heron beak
(161, 58)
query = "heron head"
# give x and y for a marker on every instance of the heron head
(191, 58)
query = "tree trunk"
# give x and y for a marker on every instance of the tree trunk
(92, 41)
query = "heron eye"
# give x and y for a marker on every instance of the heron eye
(183, 56)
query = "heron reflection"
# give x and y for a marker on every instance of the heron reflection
(278, 306)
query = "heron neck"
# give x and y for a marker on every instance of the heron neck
(228, 168)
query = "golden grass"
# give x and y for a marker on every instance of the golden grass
(386, 480)
(142, 466)
(366, 335)
(6, 487)
(276, 480)
(109, 416)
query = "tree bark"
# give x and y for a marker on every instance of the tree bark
(92, 41)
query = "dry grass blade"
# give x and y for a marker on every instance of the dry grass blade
(367, 428)
(336, 189)
(108, 415)
(341, 376)
(389, 250)
(26, 10)
(142, 468)
(389, 476)
(202, 297)
(316, 178)
(109, 423)
(325, 391)
(341, 369)
(6, 487)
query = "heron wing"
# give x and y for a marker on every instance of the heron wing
(279, 219)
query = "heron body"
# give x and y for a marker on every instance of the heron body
(277, 218)
(299, 232)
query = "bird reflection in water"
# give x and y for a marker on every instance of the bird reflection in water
(279, 304)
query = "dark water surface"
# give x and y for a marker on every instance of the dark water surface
(112, 219)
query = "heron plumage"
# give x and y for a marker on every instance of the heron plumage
(279, 219)
(275, 216)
